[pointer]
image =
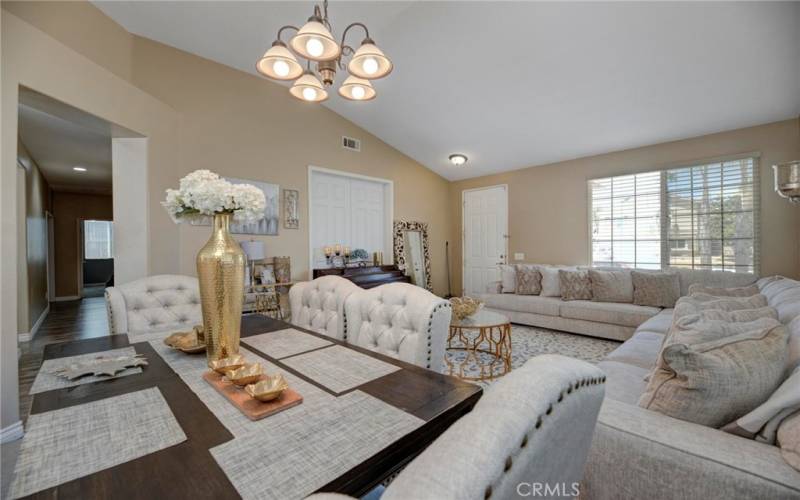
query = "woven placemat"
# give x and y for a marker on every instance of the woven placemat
(339, 368)
(73, 442)
(284, 343)
(190, 369)
(47, 381)
(292, 458)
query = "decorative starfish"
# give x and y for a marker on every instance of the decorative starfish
(100, 366)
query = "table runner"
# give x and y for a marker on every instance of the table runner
(47, 381)
(76, 441)
(191, 367)
(284, 343)
(297, 456)
(339, 368)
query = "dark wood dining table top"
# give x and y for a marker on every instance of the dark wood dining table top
(188, 470)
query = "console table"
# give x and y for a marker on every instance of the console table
(367, 276)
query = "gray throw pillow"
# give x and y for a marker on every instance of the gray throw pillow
(529, 280)
(575, 285)
(611, 286)
(655, 289)
(713, 383)
(745, 291)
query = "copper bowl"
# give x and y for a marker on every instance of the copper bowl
(225, 365)
(186, 342)
(268, 389)
(247, 374)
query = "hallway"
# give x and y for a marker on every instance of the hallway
(73, 320)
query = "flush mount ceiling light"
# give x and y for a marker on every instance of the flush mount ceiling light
(458, 159)
(79, 169)
(315, 43)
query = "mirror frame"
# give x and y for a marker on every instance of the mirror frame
(400, 228)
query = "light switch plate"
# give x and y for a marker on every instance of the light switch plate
(519, 256)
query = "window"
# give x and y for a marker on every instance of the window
(98, 239)
(699, 217)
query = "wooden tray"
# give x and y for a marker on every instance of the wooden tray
(252, 408)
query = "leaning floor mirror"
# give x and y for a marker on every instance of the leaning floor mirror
(411, 254)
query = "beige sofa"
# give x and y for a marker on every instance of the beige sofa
(637, 453)
(610, 320)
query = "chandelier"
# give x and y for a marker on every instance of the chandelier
(315, 43)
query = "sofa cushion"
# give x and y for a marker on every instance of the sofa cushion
(712, 383)
(575, 285)
(720, 279)
(789, 439)
(529, 280)
(536, 304)
(655, 289)
(611, 286)
(624, 382)
(738, 316)
(744, 291)
(608, 312)
(551, 283)
(660, 323)
(508, 278)
(640, 350)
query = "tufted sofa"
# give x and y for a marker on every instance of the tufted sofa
(399, 320)
(318, 305)
(531, 429)
(148, 308)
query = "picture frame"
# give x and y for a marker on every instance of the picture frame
(291, 209)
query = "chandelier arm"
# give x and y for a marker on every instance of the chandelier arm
(344, 34)
(288, 26)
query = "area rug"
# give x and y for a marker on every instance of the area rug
(528, 341)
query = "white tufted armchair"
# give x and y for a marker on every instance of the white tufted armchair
(149, 307)
(319, 304)
(527, 437)
(400, 320)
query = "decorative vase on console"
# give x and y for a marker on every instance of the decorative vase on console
(221, 262)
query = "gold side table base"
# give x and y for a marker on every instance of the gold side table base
(493, 341)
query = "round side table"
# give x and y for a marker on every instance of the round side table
(485, 337)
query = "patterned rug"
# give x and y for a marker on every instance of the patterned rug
(528, 341)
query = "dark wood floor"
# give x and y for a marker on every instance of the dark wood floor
(74, 320)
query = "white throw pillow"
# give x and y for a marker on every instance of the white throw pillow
(551, 282)
(508, 278)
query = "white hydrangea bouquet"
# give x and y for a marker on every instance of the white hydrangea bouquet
(203, 193)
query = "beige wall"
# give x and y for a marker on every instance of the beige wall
(68, 210)
(242, 126)
(37, 201)
(548, 204)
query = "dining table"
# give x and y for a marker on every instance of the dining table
(423, 404)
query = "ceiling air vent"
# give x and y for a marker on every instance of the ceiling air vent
(351, 144)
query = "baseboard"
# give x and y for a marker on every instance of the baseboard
(12, 432)
(67, 298)
(28, 336)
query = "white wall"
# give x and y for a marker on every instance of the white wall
(130, 196)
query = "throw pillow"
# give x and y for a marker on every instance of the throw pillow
(575, 285)
(529, 280)
(745, 291)
(738, 316)
(508, 278)
(686, 330)
(551, 283)
(789, 439)
(713, 383)
(655, 289)
(695, 304)
(762, 423)
(611, 286)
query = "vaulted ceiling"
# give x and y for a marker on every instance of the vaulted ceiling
(514, 85)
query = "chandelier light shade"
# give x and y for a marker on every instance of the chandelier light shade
(369, 62)
(357, 89)
(458, 159)
(315, 43)
(279, 63)
(309, 88)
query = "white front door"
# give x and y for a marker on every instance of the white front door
(485, 228)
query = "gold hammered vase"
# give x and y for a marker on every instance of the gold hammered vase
(220, 270)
